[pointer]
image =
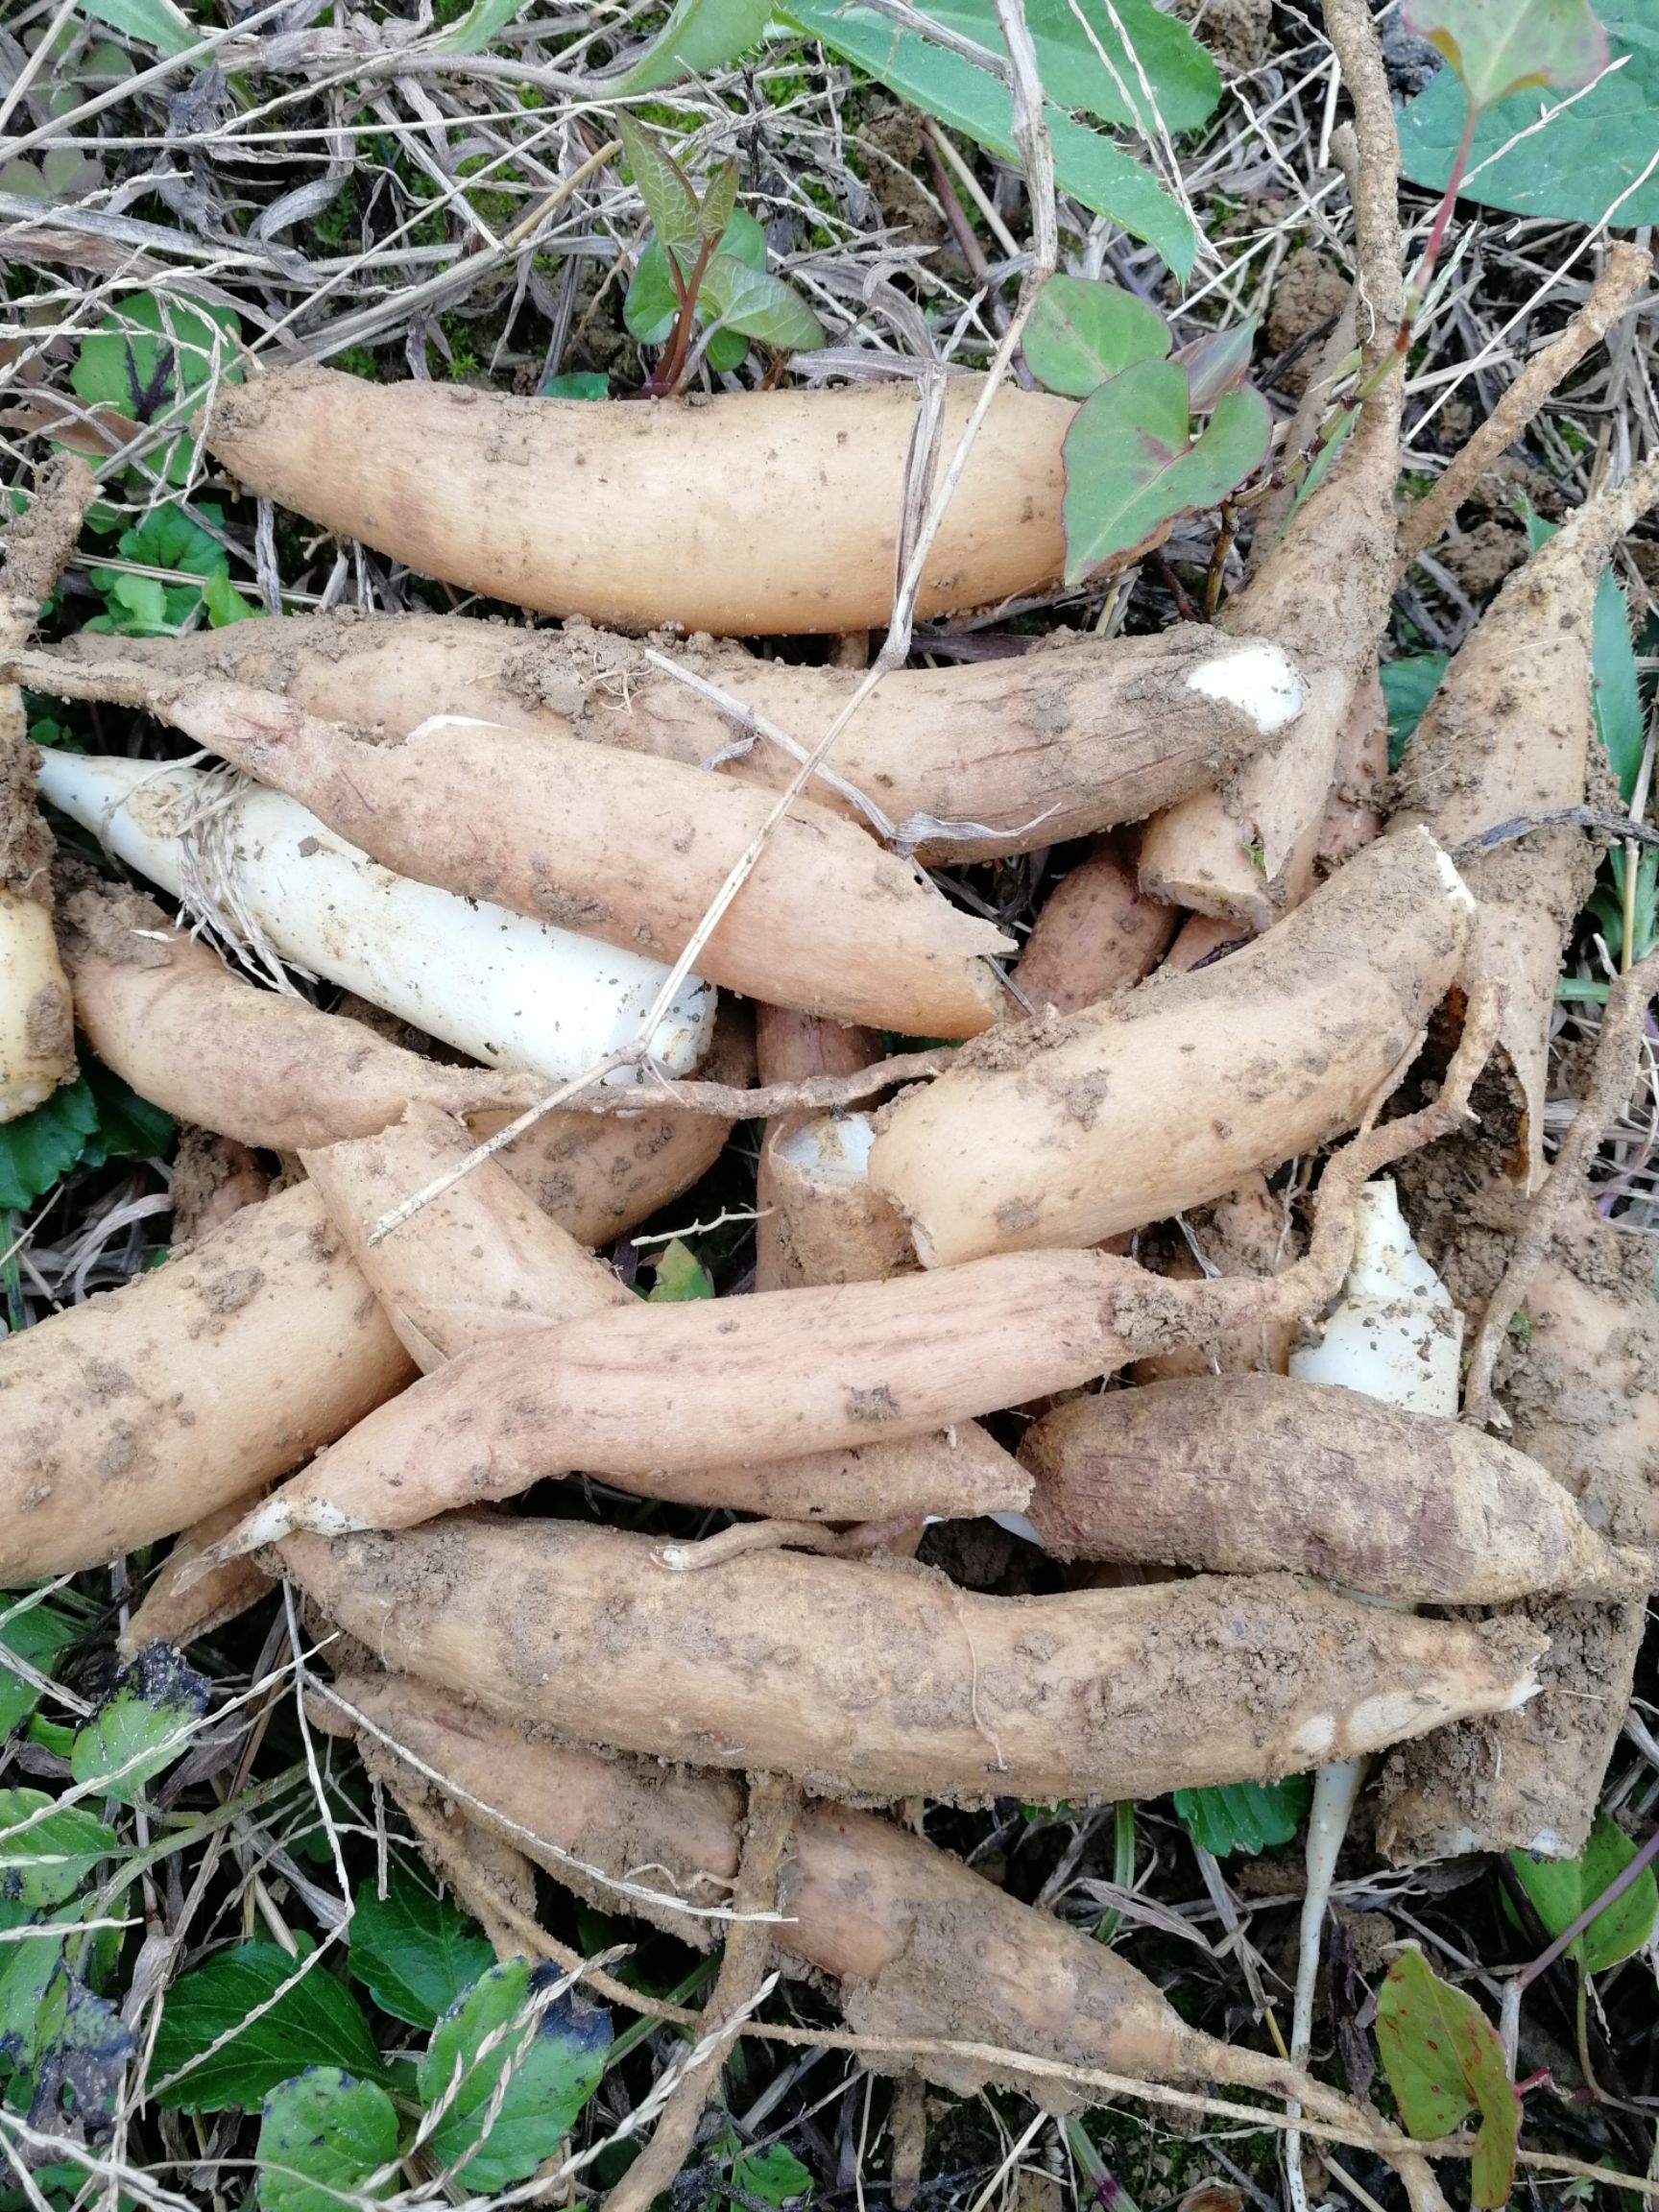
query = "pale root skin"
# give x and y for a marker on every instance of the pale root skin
(36, 1030)
(831, 1226)
(134, 1414)
(485, 1266)
(37, 1025)
(1581, 1393)
(1508, 734)
(792, 1048)
(632, 851)
(651, 1395)
(1095, 936)
(902, 1684)
(1249, 1474)
(463, 970)
(1169, 1095)
(165, 1012)
(1245, 1234)
(187, 1600)
(1359, 788)
(743, 517)
(1064, 741)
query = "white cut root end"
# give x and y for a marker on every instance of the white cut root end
(36, 1041)
(510, 991)
(1258, 679)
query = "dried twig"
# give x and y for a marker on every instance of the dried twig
(1628, 267)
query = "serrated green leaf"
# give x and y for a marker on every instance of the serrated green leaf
(1409, 684)
(555, 2064)
(681, 1275)
(414, 1953)
(965, 98)
(1578, 165)
(46, 1860)
(1131, 466)
(699, 35)
(320, 2136)
(155, 23)
(1245, 1816)
(1444, 2058)
(479, 25)
(149, 356)
(39, 1146)
(317, 2022)
(664, 186)
(142, 1725)
(1562, 1888)
(774, 2175)
(578, 384)
(757, 304)
(36, 1634)
(1499, 47)
(1081, 332)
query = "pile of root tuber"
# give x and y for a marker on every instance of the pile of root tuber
(1133, 1237)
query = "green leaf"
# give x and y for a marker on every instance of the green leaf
(651, 304)
(36, 1634)
(42, 1145)
(1503, 46)
(1619, 722)
(1562, 1888)
(26, 1971)
(759, 305)
(578, 384)
(414, 1953)
(699, 35)
(128, 1127)
(315, 2023)
(224, 604)
(719, 203)
(965, 98)
(478, 26)
(1577, 165)
(1245, 1816)
(320, 2136)
(664, 186)
(81, 2053)
(1408, 687)
(1218, 362)
(1185, 81)
(774, 2175)
(1082, 331)
(1444, 2058)
(556, 2065)
(155, 23)
(48, 1860)
(681, 1275)
(1129, 465)
(143, 1724)
(147, 357)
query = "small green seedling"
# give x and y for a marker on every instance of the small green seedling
(1248, 1816)
(1132, 460)
(705, 267)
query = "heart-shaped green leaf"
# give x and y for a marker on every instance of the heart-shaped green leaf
(1130, 464)
(1502, 46)
(757, 304)
(1444, 2058)
(1082, 331)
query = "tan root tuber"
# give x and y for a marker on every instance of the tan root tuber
(900, 1684)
